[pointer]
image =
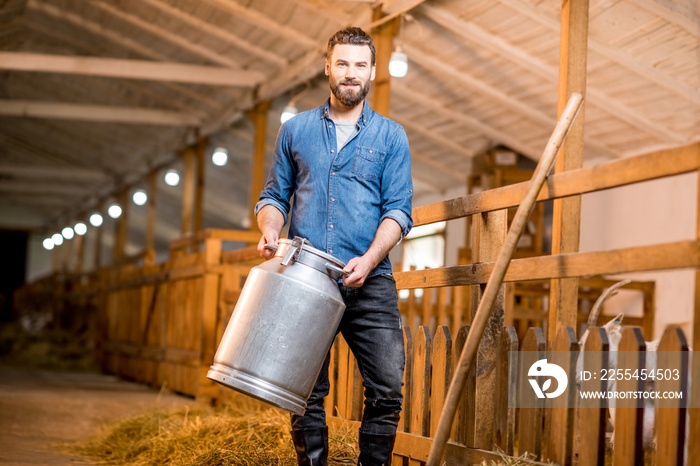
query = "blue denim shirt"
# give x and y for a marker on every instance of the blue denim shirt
(341, 197)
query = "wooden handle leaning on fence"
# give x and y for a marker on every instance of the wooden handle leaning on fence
(496, 278)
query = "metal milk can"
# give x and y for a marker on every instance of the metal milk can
(282, 327)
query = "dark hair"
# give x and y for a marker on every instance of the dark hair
(352, 36)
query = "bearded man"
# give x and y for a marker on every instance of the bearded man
(349, 171)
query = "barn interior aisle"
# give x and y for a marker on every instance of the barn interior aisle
(41, 409)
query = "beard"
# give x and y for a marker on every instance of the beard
(349, 97)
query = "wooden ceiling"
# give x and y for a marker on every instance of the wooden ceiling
(95, 94)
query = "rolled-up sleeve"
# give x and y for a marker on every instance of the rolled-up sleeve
(279, 186)
(397, 185)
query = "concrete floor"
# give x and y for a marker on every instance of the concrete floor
(39, 409)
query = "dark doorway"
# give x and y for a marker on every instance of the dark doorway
(13, 258)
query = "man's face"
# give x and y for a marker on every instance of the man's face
(350, 72)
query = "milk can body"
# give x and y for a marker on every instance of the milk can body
(282, 327)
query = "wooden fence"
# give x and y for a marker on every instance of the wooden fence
(538, 433)
(161, 324)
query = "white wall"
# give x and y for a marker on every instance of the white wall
(658, 211)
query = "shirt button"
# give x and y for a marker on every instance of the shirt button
(331, 251)
(370, 151)
(332, 151)
(331, 226)
(333, 173)
(330, 126)
(332, 199)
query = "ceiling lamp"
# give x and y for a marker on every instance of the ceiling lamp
(80, 228)
(57, 239)
(398, 65)
(48, 244)
(68, 233)
(140, 197)
(95, 219)
(114, 211)
(172, 177)
(219, 157)
(288, 112)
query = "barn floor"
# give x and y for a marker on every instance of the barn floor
(39, 409)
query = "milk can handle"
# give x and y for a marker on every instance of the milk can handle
(271, 246)
(334, 268)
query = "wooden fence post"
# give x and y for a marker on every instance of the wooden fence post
(489, 235)
(463, 428)
(422, 350)
(671, 413)
(506, 376)
(530, 428)
(560, 436)
(591, 440)
(441, 375)
(405, 421)
(628, 412)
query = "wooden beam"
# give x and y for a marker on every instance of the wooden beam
(44, 188)
(97, 257)
(384, 43)
(262, 21)
(611, 53)
(484, 39)
(259, 116)
(672, 12)
(200, 151)
(55, 173)
(151, 215)
(666, 256)
(188, 181)
(205, 27)
(440, 69)
(35, 109)
(584, 180)
(442, 109)
(566, 223)
(122, 227)
(111, 36)
(129, 69)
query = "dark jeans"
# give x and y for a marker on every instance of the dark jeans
(371, 325)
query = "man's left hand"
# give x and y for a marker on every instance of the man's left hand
(359, 267)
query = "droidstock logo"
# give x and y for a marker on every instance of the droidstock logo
(542, 368)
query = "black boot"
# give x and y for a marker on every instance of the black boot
(375, 450)
(311, 446)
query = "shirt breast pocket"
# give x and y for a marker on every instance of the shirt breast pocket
(367, 163)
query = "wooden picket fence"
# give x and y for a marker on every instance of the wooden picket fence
(539, 433)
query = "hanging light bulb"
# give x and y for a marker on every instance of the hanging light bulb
(57, 239)
(140, 197)
(398, 65)
(219, 157)
(48, 244)
(114, 211)
(68, 233)
(172, 177)
(80, 228)
(95, 219)
(288, 112)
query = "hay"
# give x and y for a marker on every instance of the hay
(235, 434)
